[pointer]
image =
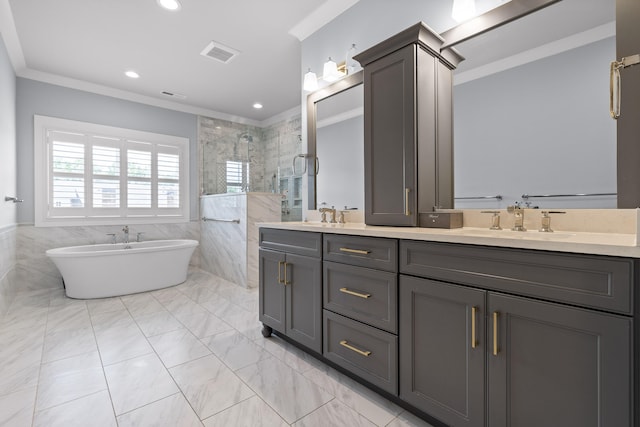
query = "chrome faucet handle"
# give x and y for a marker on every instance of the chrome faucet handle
(139, 236)
(495, 220)
(113, 237)
(546, 221)
(126, 229)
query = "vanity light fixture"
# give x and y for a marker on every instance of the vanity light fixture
(331, 72)
(257, 106)
(172, 5)
(310, 81)
(463, 10)
(131, 74)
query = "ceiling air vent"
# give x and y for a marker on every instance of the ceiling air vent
(174, 95)
(219, 52)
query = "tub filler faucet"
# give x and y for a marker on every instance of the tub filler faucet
(125, 239)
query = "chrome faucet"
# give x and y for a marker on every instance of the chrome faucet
(125, 239)
(518, 214)
(331, 211)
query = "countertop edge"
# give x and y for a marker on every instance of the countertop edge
(609, 244)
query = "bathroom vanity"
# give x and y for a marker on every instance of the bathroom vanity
(462, 326)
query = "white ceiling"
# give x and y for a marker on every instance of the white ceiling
(95, 41)
(88, 44)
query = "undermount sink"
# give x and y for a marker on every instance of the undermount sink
(510, 234)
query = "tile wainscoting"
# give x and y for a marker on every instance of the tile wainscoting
(7, 266)
(34, 271)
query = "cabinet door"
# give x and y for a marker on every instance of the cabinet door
(303, 278)
(554, 365)
(390, 139)
(272, 289)
(443, 350)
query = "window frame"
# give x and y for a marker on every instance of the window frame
(124, 139)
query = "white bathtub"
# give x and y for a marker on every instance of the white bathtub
(99, 271)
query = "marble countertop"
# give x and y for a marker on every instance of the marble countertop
(612, 244)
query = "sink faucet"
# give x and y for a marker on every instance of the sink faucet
(546, 221)
(125, 239)
(518, 213)
(331, 211)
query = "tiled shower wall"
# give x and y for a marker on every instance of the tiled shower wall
(269, 152)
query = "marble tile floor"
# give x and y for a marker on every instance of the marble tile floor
(189, 355)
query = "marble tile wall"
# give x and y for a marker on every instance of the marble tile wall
(269, 151)
(34, 271)
(221, 140)
(7, 267)
(230, 250)
(282, 142)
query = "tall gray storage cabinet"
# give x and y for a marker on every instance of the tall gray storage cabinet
(408, 127)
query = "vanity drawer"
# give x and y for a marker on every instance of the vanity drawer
(362, 294)
(600, 282)
(372, 252)
(368, 352)
(294, 242)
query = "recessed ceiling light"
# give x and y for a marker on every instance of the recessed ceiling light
(257, 106)
(131, 74)
(170, 4)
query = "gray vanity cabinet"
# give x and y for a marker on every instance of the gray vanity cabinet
(408, 127)
(552, 365)
(547, 363)
(360, 278)
(443, 350)
(290, 285)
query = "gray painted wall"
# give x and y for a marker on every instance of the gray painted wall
(7, 138)
(40, 98)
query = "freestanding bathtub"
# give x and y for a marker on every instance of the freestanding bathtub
(108, 270)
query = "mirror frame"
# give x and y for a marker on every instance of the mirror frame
(313, 98)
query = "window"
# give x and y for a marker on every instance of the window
(93, 174)
(237, 176)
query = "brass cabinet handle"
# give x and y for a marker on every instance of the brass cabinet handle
(495, 333)
(344, 343)
(355, 251)
(279, 270)
(354, 293)
(406, 202)
(285, 274)
(474, 341)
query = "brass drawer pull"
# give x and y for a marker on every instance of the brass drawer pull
(344, 343)
(355, 251)
(495, 333)
(474, 341)
(279, 270)
(406, 202)
(354, 293)
(285, 274)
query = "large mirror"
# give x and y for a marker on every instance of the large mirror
(335, 129)
(531, 120)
